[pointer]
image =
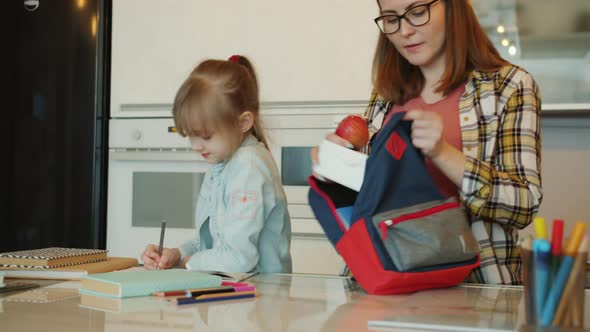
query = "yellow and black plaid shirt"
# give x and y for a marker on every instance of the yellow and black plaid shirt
(499, 114)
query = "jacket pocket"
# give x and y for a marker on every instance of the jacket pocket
(427, 234)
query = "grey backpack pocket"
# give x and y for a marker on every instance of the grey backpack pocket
(427, 234)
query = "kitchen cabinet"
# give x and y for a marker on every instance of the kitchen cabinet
(303, 50)
(550, 39)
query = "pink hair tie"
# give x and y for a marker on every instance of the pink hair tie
(234, 58)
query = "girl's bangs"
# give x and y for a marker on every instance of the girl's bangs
(201, 115)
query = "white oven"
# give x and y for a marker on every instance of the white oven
(292, 130)
(154, 176)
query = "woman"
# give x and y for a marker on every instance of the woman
(476, 118)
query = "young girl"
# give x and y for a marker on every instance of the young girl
(242, 222)
(476, 118)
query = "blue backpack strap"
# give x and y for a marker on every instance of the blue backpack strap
(332, 205)
(395, 174)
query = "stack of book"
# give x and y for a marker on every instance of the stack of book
(60, 263)
(134, 283)
(121, 291)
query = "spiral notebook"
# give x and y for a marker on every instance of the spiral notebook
(51, 257)
(73, 272)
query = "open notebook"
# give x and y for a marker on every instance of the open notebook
(231, 276)
(228, 276)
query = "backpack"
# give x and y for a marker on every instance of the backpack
(398, 234)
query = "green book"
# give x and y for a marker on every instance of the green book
(144, 282)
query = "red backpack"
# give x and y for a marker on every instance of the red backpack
(398, 234)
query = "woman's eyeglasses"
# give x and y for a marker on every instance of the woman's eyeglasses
(416, 16)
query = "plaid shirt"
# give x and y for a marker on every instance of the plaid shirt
(499, 114)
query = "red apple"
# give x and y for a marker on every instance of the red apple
(354, 129)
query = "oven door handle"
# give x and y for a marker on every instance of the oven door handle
(155, 155)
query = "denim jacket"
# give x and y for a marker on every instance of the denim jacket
(242, 222)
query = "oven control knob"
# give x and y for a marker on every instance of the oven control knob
(137, 135)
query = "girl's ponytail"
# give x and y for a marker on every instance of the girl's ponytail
(254, 106)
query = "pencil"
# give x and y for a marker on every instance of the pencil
(184, 292)
(557, 288)
(217, 290)
(170, 293)
(570, 287)
(579, 296)
(222, 295)
(215, 297)
(161, 246)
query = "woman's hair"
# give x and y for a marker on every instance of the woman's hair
(466, 48)
(214, 95)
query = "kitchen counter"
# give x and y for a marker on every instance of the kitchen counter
(284, 303)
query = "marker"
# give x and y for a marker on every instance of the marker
(563, 273)
(541, 258)
(575, 239)
(568, 298)
(540, 229)
(556, 244)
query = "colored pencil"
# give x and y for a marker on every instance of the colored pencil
(555, 293)
(215, 297)
(570, 287)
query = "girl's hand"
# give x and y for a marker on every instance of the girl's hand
(316, 149)
(151, 260)
(185, 261)
(427, 132)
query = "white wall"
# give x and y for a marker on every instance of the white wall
(564, 170)
(304, 50)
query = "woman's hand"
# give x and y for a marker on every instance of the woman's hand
(316, 149)
(151, 260)
(427, 132)
(427, 135)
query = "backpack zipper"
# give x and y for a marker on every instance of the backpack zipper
(386, 224)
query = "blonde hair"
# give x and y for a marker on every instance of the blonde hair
(214, 95)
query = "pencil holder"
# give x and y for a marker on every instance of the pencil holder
(564, 311)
